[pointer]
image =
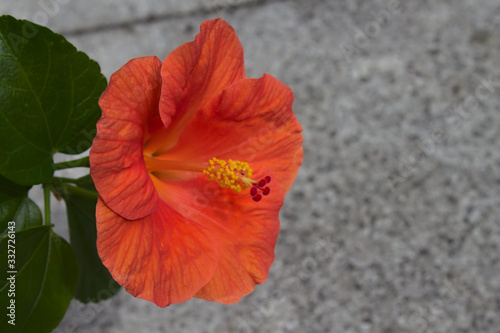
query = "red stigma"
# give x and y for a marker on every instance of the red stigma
(257, 198)
(260, 187)
(253, 191)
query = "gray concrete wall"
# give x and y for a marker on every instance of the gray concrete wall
(393, 222)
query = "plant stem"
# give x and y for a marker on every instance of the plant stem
(46, 199)
(66, 180)
(82, 162)
(80, 191)
(70, 180)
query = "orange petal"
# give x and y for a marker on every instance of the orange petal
(163, 258)
(116, 158)
(196, 72)
(245, 232)
(251, 121)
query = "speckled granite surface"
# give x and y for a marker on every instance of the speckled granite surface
(393, 224)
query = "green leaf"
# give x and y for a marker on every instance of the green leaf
(16, 207)
(48, 99)
(45, 276)
(95, 283)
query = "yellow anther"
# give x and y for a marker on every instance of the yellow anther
(235, 175)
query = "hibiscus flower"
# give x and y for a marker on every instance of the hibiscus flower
(192, 161)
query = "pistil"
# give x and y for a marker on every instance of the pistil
(234, 175)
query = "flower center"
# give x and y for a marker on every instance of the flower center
(237, 176)
(234, 175)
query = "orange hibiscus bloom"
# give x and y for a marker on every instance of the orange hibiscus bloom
(192, 161)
